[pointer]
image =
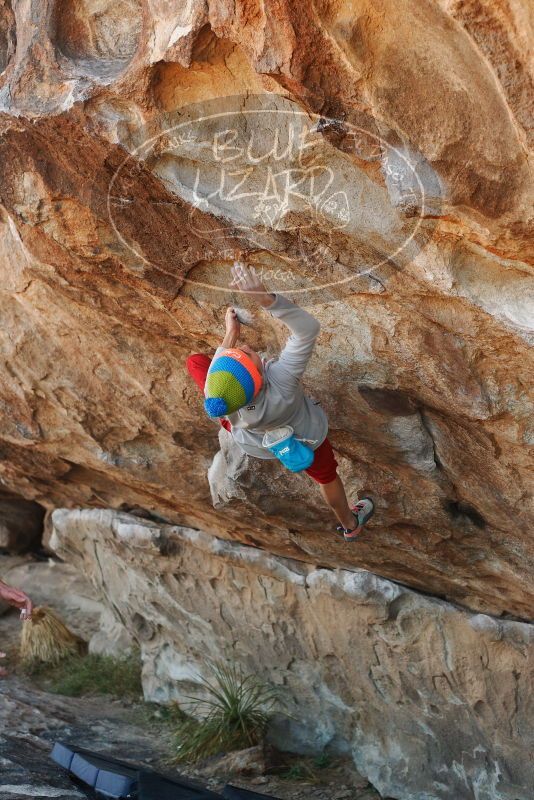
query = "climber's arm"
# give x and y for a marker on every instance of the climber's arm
(289, 367)
(233, 330)
(298, 349)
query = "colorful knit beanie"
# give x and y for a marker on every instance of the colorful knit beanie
(233, 380)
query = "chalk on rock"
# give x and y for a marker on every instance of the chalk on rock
(244, 316)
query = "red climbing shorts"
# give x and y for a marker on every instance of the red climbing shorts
(324, 465)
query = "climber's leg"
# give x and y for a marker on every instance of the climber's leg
(324, 471)
(197, 366)
(334, 494)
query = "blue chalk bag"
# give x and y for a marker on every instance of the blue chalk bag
(293, 454)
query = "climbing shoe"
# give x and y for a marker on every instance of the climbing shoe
(363, 511)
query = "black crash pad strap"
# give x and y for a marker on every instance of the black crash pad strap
(152, 786)
(235, 793)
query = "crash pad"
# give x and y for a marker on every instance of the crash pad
(108, 776)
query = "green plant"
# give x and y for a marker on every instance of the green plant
(322, 761)
(307, 769)
(296, 772)
(170, 715)
(299, 771)
(233, 715)
(92, 674)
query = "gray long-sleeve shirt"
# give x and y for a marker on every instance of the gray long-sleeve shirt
(281, 400)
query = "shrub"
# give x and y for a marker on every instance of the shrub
(234, 715)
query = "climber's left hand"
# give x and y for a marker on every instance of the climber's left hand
(233, 326)
(233, 329)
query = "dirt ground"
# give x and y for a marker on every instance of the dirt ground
(32, 719)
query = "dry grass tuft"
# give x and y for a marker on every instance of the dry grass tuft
(46, 640)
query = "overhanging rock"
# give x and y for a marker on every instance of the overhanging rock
(372, 159)
(431, 700)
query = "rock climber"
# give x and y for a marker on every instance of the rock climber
(16, 598)
(252, 396)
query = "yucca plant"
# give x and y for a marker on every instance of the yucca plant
(234, 714)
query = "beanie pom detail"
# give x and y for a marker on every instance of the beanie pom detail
(215, 406)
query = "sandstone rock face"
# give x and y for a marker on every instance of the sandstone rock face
(432, 701)
(372, 159)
